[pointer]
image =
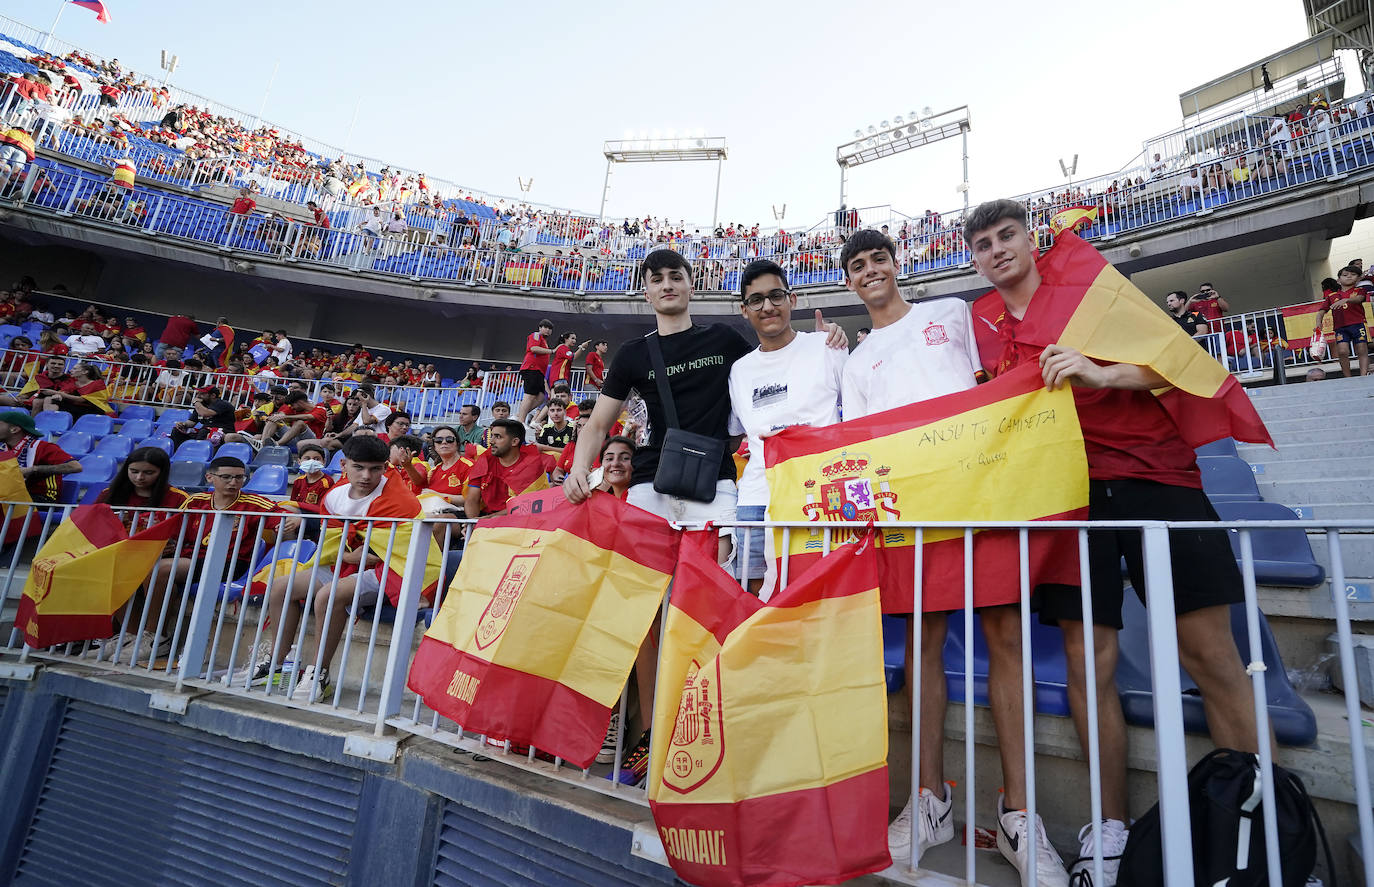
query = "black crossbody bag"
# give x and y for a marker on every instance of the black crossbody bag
(689, 464)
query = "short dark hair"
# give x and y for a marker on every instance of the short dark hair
(1352, 269)
(278, 391)
(410, 442)
(563, 339)
(366, 448)
(310, 448)
(297, 397)
(619, 438)
(586, 405)
(862, 242)
(599, 342)
(511, 427)
(498, 405)
(760, 268)
(1330, 284)
(665, 259)
(365, 390)
(985, 215)
(398, 414)
(1180, 293)
(476, 411)
(225, 462)
(546, 324)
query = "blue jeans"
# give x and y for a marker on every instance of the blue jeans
(749, 563)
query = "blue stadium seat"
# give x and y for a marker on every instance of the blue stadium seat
(52, 422)
(1047, 654)
(1224, 447)
(116, 446)
(194, 451)
(1228, 479)
(136, 429)
(94, 425)
(76, 443)
(272, 456)
(169, 418)
(269, 480)
(134, 412)
(96, 468)
(161, 443)
(1282, 556)
(93, 493)
(1292, 719)
(894, 651)
(241, 451)
(336, 463)
(188, 476)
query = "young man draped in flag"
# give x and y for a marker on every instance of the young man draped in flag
(363, 575)
(1086, 326)
(916, 352)
(506, 469)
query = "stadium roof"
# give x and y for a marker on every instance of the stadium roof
(1349, 19)
(1313, 53)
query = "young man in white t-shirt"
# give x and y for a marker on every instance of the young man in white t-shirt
(364, 475)
(916, 352)
(792, 378)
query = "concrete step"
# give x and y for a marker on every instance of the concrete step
(1333, 511)
(1298, 416)
(1332, 387)
(1303, 491)
(1357, 470)
(1337, 394)
(1300, 443)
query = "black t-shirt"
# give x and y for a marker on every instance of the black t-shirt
(1189, 321)
(552, 437)
(223, 419)
(698, 361)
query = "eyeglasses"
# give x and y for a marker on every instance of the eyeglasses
(774, 298)
(445, 440)
(231, 478)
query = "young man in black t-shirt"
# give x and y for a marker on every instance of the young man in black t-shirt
(698, 360)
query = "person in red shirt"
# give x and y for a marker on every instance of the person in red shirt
(41, 463)
(142, 482)
(596, 364)
(1347, 318)
(1139, 467)
(244, 203)
(321, 217)
(308, 490)
(299, 417)
(533, 368)
(507, 469)
(180, 329)
(449, 477)
(49, 385)
(560, 364)
(407, 462)
(1209, 303)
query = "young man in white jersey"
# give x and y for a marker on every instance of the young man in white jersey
(916, 352)
(792, 378)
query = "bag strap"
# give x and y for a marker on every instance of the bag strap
(661, 379)
(1316, 821)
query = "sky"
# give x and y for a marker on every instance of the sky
(483, 95)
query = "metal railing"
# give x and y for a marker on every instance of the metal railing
(204, 625)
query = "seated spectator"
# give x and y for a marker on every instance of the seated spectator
(616, 455)
(340, 426)
(307, 491)
(46, 387)
(407, 462)
(1190, 184)
(17, 363)
(143, 481)
(50, 342)
(369, 490)
(256, 520)
(506, 469)
(299, 418)
(170, 381)
(448, 477)
(1241, 174)
(499, 410)
(397, 424)
(41, 463)
(469, 432)
(558, 433)
(214, 418)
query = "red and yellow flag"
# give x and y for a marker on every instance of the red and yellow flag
(1299, 320)
(97, 395)
(774, 771)
(226, 333)
(540, 628)
(1006, 450)
(1086, 304)
(1072, 219)
(86, 571)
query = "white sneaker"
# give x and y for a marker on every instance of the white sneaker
(255, 672)
(312, 686)
(1114, 833)
(1013, 839)
(607, 753)
(155, 646)
(935, 825)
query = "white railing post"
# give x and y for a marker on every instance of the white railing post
(1174, 820)
(403, 629)
(212, 574)
(1349, 681)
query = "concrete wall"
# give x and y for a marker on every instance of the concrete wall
(1358, 244)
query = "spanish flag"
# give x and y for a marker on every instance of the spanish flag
(124, 173)
(13, 489)
(389, 541)
(88, 569)
(1007, 450)
(1086, 304)
(226, 333)
(20, 139)
(536, 638)
(1072, 218)
(774, 769)
(97, 395)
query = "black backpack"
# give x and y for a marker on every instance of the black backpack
(1225, 805)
